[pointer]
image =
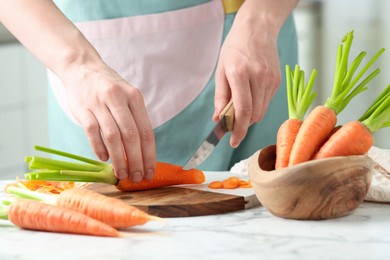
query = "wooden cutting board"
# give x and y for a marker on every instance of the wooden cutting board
(185, 200)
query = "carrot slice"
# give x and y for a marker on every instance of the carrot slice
(215, 185)
(231, 183)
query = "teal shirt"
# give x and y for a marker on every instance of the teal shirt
(178, 138)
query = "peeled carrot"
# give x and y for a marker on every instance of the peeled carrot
(111, 211)
(30, 214)
(165, 175)
(318, 125)
(95, 171)
(353, 138)
(314, 130)
(299, 100)
(356, 137)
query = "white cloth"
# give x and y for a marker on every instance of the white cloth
(380, 184)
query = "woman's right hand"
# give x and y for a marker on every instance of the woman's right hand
(114, 117)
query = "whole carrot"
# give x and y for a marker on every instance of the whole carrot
(35, 215)
(299, 100)
(322, 120)
(356, 137)
(111, 211)
(95, 171)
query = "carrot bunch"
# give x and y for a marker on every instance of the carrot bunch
(35, 215)
(88, 170)
(321, 121)
(75, 210)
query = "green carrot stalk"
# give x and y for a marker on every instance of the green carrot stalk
(377, 116)
(346, 86)
(86, 170)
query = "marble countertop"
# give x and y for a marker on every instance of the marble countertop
(250, 234)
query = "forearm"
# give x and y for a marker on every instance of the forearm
(266, 15)
(42, 28)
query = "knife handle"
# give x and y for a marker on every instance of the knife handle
(228, 113)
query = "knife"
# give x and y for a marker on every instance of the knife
(224, 125)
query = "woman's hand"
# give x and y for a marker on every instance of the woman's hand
(248, 71)
(110, 110)
(114, 118)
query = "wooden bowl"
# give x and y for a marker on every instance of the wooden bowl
(320, 189)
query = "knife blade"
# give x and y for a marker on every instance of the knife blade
(224, 125)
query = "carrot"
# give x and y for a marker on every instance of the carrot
(320, 122)
(35, 215)
(111, 211)
(299, 100)
(356, 137)
(165, 175)
(315, 128)
(353, 138)
(215, 185)
(95, 171)
(231, 183)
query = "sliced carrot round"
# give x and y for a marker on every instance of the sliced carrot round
(215, 185)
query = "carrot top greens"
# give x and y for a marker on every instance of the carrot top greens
(377, 116)
(57, 170)
(299, 96)
(346, 86)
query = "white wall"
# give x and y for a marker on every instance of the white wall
(23, 112)
(321, 29)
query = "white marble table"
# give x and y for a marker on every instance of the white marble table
(250, 234)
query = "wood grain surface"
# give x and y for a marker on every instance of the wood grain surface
(180, 201)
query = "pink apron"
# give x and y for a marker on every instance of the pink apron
(169, 56)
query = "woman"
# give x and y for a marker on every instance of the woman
(139, 81)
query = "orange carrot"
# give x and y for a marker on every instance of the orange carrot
(299, 100)
(30, 214)
(353, 138)
(111, 211)
(356, 137)
(166, 175)
(314, 130)
(285, 139)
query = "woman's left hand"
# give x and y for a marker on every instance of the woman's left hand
(248, 70)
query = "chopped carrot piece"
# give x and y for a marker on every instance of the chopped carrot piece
(215, 185)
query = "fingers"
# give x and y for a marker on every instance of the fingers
(92, 130)
(242, 100)
(251, 88)
(118, 127)
(145, 135)
(136, 136)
